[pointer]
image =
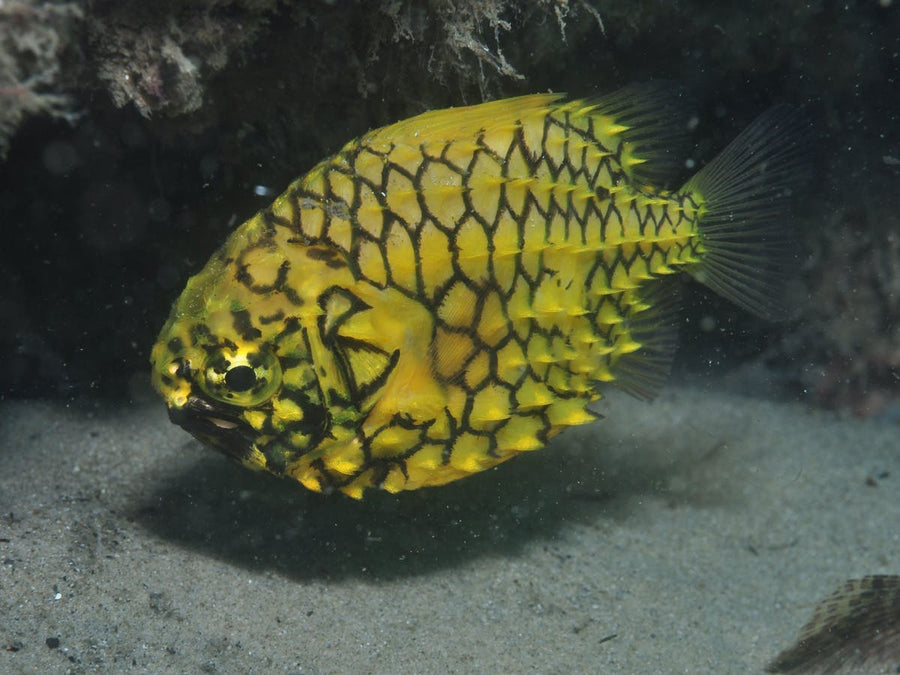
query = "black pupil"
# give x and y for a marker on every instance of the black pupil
(240, 378)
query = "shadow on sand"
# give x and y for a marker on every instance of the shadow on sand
(257, 521)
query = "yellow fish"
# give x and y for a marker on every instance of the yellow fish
(449, 291)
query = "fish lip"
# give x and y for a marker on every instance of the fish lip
(217, 424)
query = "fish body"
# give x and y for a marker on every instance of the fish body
(450, 291)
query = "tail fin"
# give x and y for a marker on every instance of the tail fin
(744, 195)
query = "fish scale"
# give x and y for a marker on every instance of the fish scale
(449, 291)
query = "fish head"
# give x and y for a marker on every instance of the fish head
(217, 389)
(259, 402)
(253, 369)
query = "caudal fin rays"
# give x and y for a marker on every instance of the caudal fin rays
(744, 196)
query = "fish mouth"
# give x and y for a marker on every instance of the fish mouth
(216, 424)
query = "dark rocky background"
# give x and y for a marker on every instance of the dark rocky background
(135, 135)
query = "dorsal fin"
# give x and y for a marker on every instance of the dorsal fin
(655, 117)
(855, 629)
(651, 119)
(464, 123)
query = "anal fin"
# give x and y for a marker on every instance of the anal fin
(652, 320)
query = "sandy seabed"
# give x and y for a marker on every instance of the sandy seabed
(693, 534)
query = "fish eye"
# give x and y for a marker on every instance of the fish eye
(240, 376)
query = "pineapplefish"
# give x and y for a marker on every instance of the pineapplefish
(452, 290)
